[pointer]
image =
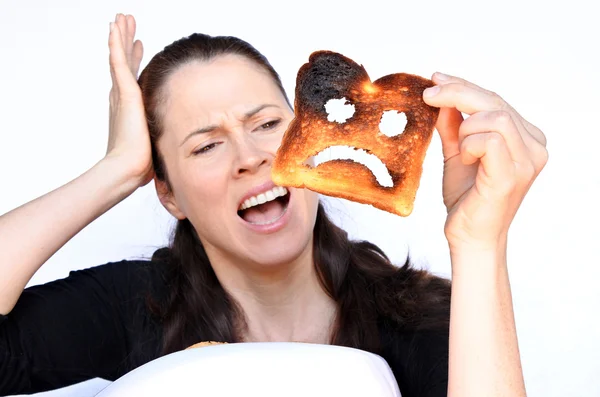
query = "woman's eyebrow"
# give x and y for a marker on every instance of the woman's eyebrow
(258, 109)
(211, 128)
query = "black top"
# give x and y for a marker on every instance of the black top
(95, 323)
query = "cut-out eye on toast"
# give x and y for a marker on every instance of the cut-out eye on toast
(329, 75)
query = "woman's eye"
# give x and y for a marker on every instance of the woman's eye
(205, 149)
(270, 124)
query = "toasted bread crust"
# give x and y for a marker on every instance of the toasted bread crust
(329, 75)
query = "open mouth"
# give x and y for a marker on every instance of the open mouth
(265, 208)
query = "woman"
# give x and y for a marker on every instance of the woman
(205, 122)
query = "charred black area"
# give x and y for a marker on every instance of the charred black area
(328, 75)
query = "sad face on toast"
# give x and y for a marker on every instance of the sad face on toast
(329, 75)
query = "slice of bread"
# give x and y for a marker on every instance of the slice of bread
(329, 75)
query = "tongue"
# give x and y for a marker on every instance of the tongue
(263, 213)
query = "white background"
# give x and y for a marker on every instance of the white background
(542, 57)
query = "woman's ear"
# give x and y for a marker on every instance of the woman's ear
(167, 199)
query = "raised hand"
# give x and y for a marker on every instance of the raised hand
(490, 161)
(129, 140)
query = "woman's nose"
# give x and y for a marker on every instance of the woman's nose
(250, 157)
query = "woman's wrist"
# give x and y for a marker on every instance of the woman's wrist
(477, 256)
(124, 182)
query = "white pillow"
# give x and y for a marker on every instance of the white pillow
(260, 369)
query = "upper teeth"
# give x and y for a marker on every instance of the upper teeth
(262, 198)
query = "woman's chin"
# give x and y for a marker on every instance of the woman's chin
(280, 254)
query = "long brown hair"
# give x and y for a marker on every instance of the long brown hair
(357, 275)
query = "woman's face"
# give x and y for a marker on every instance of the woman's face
(223, 122)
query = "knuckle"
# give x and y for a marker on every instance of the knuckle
(464, 128)
(545, 154)
(455, 88)
(540, 137)
(541, 157)
(498, 102)
(528, 171)
(494, 139)
(502, 118)
(506, 185)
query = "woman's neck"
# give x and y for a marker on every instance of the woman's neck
(284, 303)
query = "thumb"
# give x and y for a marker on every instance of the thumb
(448, 123)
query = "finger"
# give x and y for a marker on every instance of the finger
(130, 37)
(501, 122)
(442, 79)
(471, 99)
(110, 38)
(466, 99)
(448, 124)
(536, 133)
(497, 172)
(122, 24)
(535, 142)
(138, 54)
(539, 154)
(125, 36)
(118, 62)
(116, 54)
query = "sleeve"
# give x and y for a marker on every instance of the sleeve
(429, 354)
(69, 330)
(419, 362)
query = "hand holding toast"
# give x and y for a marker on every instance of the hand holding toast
(490, 161)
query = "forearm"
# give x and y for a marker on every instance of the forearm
(32, 233)
(484, 354)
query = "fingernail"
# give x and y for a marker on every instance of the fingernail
(441, 76)
(431, 91)
(112, 26)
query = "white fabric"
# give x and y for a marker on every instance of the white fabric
(261, 369)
